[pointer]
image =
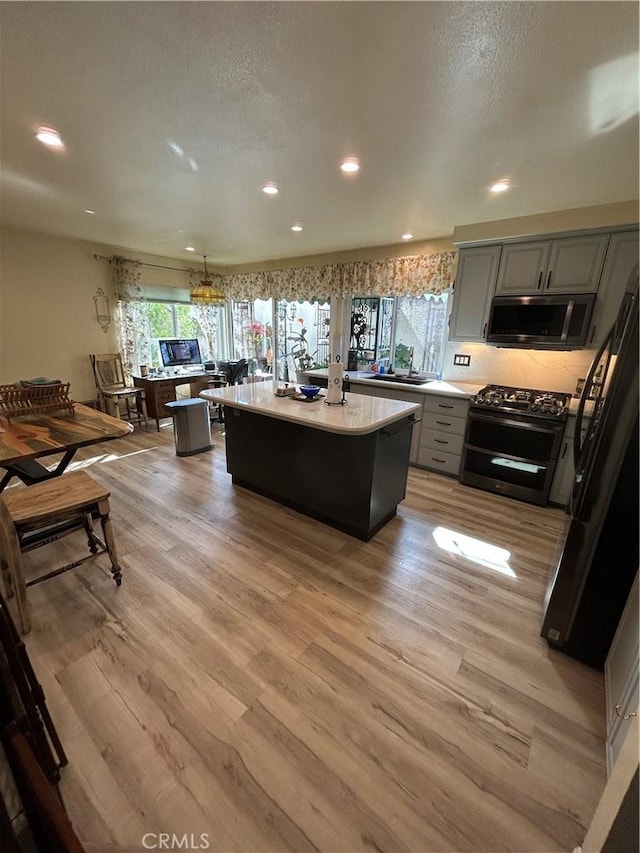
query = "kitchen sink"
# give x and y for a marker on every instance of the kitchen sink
(400, 380)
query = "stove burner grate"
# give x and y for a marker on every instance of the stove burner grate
(548, 404)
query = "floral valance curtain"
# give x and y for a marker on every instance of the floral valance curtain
(408, 276)
(132, 327)
(126, 279)
(412, 275)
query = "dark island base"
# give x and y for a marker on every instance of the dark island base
(351, 482)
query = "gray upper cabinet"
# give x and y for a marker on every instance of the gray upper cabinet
(473, 291)
(522, 268)
(622, 257)
(566, 265)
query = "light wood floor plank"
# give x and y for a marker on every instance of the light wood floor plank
(278, 685)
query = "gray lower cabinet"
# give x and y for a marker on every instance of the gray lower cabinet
(567, 265)
(443, 425)
(621, 678)
(622, 257)
(473, 291)
(393, 394)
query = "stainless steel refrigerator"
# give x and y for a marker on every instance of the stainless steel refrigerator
(599, 556)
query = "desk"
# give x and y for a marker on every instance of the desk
(160, 390)
(30, 437)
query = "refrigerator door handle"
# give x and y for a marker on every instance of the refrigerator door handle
(586, 393)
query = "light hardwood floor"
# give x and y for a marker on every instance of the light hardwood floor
(278, 685)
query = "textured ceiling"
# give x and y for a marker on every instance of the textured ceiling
(175, 114)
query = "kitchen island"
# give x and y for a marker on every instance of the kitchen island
(343, 465)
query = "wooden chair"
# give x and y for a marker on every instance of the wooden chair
(116, 397)
(34, 516)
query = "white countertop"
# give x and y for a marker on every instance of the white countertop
(361, 415)
(430, 386)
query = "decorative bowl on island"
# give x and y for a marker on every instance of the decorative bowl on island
(310, 391)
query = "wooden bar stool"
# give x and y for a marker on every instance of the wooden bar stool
(40, 514)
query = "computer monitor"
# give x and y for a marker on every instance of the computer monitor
(179, 351)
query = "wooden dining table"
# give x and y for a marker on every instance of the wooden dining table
(28, 438)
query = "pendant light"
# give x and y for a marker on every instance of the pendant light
(207, 292)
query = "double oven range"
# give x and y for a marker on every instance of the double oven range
(512, 441)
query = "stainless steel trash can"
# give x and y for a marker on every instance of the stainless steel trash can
(191, 429)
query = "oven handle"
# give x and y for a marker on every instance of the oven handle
(528, 425)
(542, 463)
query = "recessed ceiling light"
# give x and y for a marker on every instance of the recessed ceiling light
(49, 136)
(407, 236)
(350, 165)
(189, 249)
(500, 186)
(90, 212)
(270, 188)
(297, 226)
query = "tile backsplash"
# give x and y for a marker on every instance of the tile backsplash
(548, 371)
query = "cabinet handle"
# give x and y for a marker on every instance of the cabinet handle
(625, 716)
(593, 333)
(440, 441)
(443, 423)
(564, 451)
(443, 462)
(539, 279)
(444, 406)
(484, 330)
(549, 280)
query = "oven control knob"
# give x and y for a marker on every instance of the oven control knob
(554, 410)
(534, 407)
(544, 410)
(497, 401)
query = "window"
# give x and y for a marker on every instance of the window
(407, 332)
(157, 319)
(420, 329)
(183, 320)
(303, 337)
(252, 333)
(372, 321)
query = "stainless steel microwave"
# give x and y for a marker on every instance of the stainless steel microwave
(540, 322)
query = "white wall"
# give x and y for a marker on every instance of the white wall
(547, 371)
(48, 324)
(47, 314)
(575, 219)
